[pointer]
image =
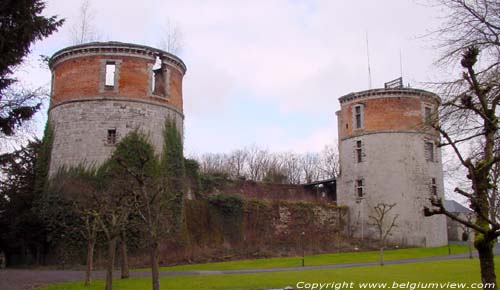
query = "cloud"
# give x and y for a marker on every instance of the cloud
(294, 58)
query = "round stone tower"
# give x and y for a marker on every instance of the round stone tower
(103, 90)
(389, 155)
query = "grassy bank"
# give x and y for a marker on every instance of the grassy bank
(325, 259)
(454, 271)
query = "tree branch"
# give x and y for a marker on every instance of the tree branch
(439, 209)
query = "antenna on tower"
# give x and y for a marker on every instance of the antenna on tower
(400, 63)
(368, 58)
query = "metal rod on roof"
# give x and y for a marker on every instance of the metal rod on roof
(368, 58)
(401, 64)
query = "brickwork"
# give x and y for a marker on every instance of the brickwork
(84, 108)
(392, 110)
(81, 75)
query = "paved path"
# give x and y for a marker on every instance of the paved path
(20, 279)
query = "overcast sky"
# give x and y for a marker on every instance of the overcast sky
(265, 72)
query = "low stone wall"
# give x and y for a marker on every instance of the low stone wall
(229, 227)
(269, 191)
(232, 227)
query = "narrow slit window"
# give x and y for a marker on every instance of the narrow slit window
(153, 82)
(359, 151)
(360, 188)
(427, 113)
(358, 117)
(111, 136)
(429, 151)
(110, 74)
(434, 189)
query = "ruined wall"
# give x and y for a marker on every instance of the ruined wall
(267, 191)
(393, 167)
(261, 228)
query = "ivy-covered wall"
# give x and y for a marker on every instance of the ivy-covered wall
(217, 184)
(224, 227)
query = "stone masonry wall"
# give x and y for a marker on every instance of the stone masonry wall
(403, 177)
(81, 128)
(266, 228)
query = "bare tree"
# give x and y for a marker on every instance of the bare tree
(102, 200)
(309, 164)
(84, 30)
(257, 162)
(328, 164)
(115, 206)
(171, 40)
(469, 120)
(237, 162)
(291, 167)
(493, 195)
(125, 271)
(78, 186)
(469, 24)
(383, 224)
(157, 184)
(275, 169)
(214, 163)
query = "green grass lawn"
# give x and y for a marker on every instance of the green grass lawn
(455, 271)
(325, 259)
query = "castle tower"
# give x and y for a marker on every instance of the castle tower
(388, 155)
(103, 90)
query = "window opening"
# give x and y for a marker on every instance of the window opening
(429, 151)
(358, 116)
(427, 113)
(360, 187)
(111, 136)
(159, 78)
(359, 151)
(110, 74)
(433, 186)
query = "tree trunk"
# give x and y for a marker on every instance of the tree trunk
(38, 255)
(125, 269)
(381, 256)
(155, 265)
(90, 261)
(487, 264)
(111, 263)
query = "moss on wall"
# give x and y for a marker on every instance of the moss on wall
(229, 221)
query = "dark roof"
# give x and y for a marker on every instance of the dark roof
(453, 206)
(321, 181)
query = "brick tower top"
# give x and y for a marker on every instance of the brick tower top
(116, 70)
(385, 110)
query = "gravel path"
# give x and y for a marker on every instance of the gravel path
(28, 279)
